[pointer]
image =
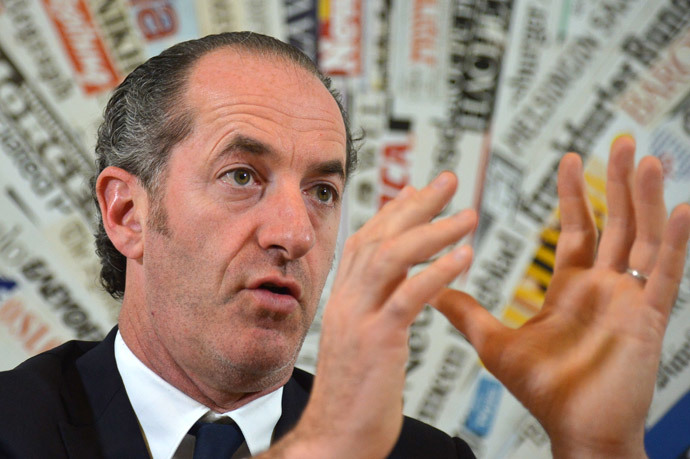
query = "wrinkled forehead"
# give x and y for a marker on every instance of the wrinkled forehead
(230, 75)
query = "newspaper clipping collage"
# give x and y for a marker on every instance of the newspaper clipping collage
(495, 90)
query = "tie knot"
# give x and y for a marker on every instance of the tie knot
(216, 440)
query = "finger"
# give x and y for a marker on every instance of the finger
(409, 299)
(577, 242)
(385, 264)
(650, 214)
(662, 287)
(619, 234)
(412, 207)
(420, 243)
(472, 320)
(407, 191)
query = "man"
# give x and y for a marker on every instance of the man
(222, 163)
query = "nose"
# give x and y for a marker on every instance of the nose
(287, 226)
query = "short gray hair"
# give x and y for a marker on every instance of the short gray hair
(146, 117)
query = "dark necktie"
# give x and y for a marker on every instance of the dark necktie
(216, 441)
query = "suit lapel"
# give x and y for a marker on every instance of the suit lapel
(101, 422)
(100, 419)
(295, 398)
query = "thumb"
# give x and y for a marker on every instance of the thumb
(471, 319)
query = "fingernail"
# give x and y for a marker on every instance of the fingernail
(441, 181)
(462, 253)
(464, 214)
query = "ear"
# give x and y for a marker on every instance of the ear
(123, 208)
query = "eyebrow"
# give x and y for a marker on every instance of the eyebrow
(255, 147)
(246, 145)
(331, 167)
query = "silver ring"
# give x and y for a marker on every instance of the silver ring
(637, 275)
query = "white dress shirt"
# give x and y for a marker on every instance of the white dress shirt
(166, 414)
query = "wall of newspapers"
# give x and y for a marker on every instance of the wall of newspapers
(495, 90)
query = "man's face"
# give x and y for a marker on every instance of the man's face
(252, 198)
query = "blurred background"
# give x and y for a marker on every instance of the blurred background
(495, 90)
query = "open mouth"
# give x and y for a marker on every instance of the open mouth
(273, 288)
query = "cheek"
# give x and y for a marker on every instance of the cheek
(327, 236)
(211, 231)
(324, 251)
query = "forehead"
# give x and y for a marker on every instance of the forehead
(245, 69)
(265, 92)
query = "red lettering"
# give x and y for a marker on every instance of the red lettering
(340, 38)
(394, 171)
(157, 21)
(33, 339)
(10, 311)
(665, 75)
(680, 49)
(27, 327)
(639, 108)
(664, 83)
(424, 32)
(384, 199)
(392, 182)
(83, 45)
(396, 153)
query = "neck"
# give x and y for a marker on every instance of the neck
(223, 391)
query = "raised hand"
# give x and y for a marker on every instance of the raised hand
(355, 409)
(585, 366)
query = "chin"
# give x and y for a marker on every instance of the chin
(257, 375)
(261, 359)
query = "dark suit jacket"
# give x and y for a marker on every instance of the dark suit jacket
(71, 402)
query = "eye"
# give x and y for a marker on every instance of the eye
(325, 194)
(240, 177)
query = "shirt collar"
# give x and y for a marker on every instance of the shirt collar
(166, 414)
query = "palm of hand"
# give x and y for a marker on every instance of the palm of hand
(585, 366)
(577, 364)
